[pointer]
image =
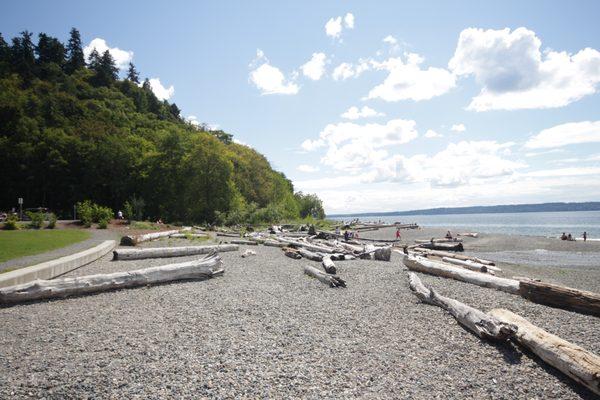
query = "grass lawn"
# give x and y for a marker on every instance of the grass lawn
(14, 244)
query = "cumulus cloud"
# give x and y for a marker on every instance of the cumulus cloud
(161, 92)
(348, 70)
(458, 128)
(389, 39)
(269, 79)
(515, 74)
(335, 25)
(566, 134)
(315, 67)
(307, 168)
(364, 112)
(122, 57)
(407, 81)
(432, 134)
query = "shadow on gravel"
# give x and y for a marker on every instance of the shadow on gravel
(511, 353)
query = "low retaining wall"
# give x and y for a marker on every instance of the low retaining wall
(54, 268)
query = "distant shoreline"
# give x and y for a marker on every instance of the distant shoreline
(498, 209)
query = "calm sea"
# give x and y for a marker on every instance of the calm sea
(533, 223)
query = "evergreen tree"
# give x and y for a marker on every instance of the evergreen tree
(132, 74)
(23, 57)
(175, 111)
(94, 60)
(50, 50)
(108, 67)
(4, 57)
(75, 57)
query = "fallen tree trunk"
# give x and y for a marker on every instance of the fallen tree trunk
(560, 296)
(331, 280)
(242, 241)
(439, 240)
(132, 240)
(441, 253)
(310, 255)
(60, 288)
(328, 265)
(443, 246)
(574, 361)
(421, 264)
(165, 252)
(291, 253)
(309, 246)
(188, 235)
(470, 265)
(476, 321)
(273, 243)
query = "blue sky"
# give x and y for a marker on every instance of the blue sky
(520, 78)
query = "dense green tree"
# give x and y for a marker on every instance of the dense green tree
(75, 58)
(23, 56)
(49, 50)
(132, 74)
(4, 57)
(94, 60)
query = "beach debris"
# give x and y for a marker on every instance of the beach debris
(328, 265)
(309, 255)
(202, 268)
(188, 235)
(165, 252)
(132, 240)
(468, 264)
(291, 253)
(248, 253)
(383, 253)
(478, 322)
(421, 264)
(331, 280)
(440, 253)
(442, 246)
(468, 234)
(580, 301)
(574, 361)
(439, 240)
(245, 242)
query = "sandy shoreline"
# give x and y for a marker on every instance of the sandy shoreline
(266, 330)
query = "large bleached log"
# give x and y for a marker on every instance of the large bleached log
(421, 264)
(165, 252)
(328, 265)
(310, 255)
(331, 280)
(470, 265)
(350, 247)
(132, 240)
(574, 361)
(441, 253)
(443, 246)
(564, 297)
(476, 321)
(245, 242)
(439, 240)
(383, 253)
(188, 235)
(273, 243)
(306, 245)
(58, 288)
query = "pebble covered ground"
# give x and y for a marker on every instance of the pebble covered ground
(264, 329)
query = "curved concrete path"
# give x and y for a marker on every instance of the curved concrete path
(98, 236)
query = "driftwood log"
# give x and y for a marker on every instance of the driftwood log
(245, 242)
(574, 361)
(439, 240)
(310, 255)
(328, 265)
(441, 253)
(470, 265)
(383, 253)
(132, 240)
(478, 322)
(443, 246)
(421, 264)
(165, 252)
(560, 296)
(291, 253)
(306, 245)
(188, 235)
(331, 280)
(273, 243)
(59, 288)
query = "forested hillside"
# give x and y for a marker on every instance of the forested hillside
(71, 129)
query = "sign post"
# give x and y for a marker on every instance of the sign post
(20, 209)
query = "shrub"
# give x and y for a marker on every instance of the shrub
(102, 224)
(37, 219)
(51, 221)
(102, 215)
(128, 211)
(85, 210)
(11, 223)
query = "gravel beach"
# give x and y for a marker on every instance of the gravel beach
(266, 330)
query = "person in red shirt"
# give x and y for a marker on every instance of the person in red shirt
(397, 233)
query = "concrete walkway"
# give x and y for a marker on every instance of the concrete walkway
(97, 237)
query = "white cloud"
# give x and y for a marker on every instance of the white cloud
(307, 168)
(192, 119)
(237, 141)
(566, 134)
(122, 57)
(348, 70)
(315, 67)
(310, 145)
(389, 39)
(432, 134)
(558, 172)
(161, 92)
(458, 128)
(407, 81)
(335, 25)
(365, 112)
(269, 79)
(515, 74)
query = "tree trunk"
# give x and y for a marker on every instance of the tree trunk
(132, 240)
(308, 246)
(292, 253)
(383, 253)
(331, 280)
(443, 246)
(560, 296)
(441, 253)
(60, 288)
(421, 264)
(245, 242)
(328, 265)
(165, 252)
(470, 265)
(574, 361)
(188, 235)
(273, 243)
(473, 319)
(310, 255)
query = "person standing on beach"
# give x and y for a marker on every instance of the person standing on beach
(584, 236)
(398, 234)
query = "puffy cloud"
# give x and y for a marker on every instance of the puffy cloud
(307, 168)
(161, 92)
(432, 134)
(458, 128)
(566, 134)
(310, 145)
(515, 74)
(348, 70)
(315, 67)
(122, 57)
(407, 81)
(389, 39)
(335, 25)
(269, 79)
(364, 112)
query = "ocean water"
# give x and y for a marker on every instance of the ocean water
(549, 224)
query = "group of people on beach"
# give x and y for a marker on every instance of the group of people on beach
(570, 237)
